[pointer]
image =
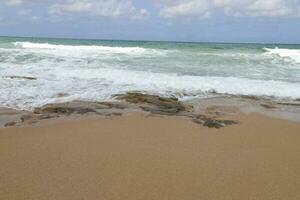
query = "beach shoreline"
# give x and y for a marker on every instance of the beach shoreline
(217, 107)
(151, 147)
(137, 156)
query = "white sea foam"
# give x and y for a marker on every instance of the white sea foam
(291, 54)
(87, 48)
(101, 85)
(99, 72)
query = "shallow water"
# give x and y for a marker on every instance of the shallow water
(97, 70)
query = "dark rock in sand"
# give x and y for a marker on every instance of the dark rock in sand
(135, 101)
(153, 103)
(10, 124)
(171, 106)
(29, 119)
(64, 108)
(212, 123)
(47, 116)
(21, 77)
(114, 105)
(251, 97)
(288, 103)
(78, 107)
(25, 118)
(268, 105)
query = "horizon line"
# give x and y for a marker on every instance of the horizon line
(145, 40)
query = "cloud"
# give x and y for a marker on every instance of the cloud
(170, 9)
(13, 2)
(267, 8)
(204, 8)
(185, 8)
(104, 8)
(100, 8)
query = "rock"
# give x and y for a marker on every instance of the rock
(268, 105)
(221, 110)
(212, 123)
(10, 124)
(64, 108)
(251, 97)
(113, 105)
(29, 119)
(25, 118)
(289, 103)
(61, 94)
(21, 77)
(47, 116)
(154, 103)
(79, 107)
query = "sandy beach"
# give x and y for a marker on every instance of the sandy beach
(151, 157)
(149, 100)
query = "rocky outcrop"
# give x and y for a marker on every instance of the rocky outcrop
(171, 106)
(211, 122)
(78, 107)
(154, 103)
(129, 102)
(268, 105)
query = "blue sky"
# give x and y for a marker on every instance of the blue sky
(264, 21)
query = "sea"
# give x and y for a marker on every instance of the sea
(38, 71)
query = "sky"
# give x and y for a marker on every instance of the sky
(261, 21)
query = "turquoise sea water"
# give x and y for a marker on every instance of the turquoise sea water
(97, 70)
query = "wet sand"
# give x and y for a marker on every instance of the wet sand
(142, 157)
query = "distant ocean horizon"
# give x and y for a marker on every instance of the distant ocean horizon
(37, 71)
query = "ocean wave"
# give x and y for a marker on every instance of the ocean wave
(291, 54)
(87, 48)
(103, 84)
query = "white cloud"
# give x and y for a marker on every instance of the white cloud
(100, 8)
(13, 2)
(268, 8)
(190, 9)
(203, 8)
(25, 12)
(104, 8)
(185, 8)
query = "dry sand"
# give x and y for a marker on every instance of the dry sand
(137, 157)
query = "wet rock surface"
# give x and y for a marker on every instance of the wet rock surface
(130, 102)
(78, 107)
(8, 124)
(211, 122)
(171, 106)
(154, 103)
(268, 105)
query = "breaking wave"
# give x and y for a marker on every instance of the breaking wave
(87, 48)
(292, 54)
